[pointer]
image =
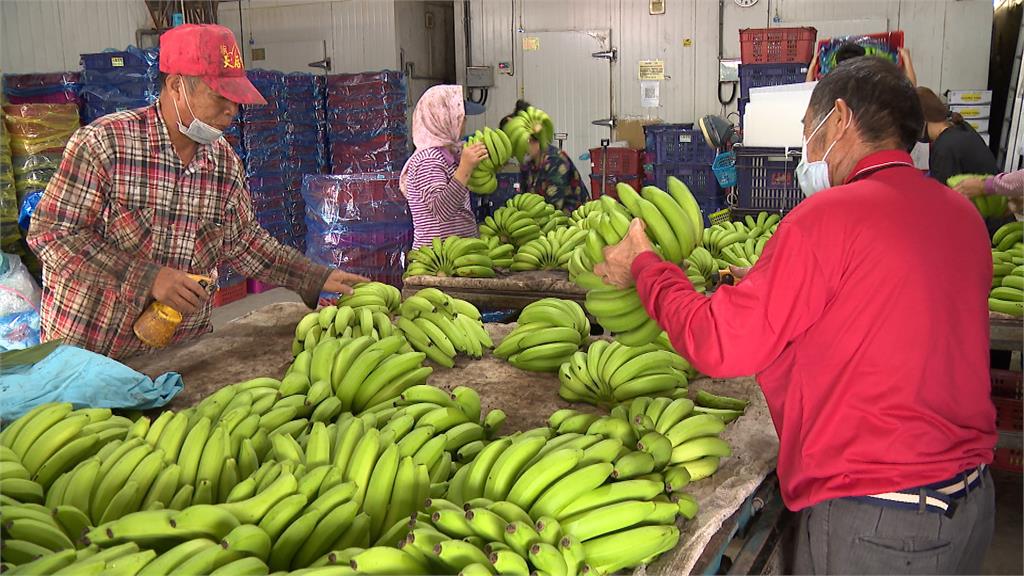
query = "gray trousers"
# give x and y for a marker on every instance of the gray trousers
(845, 536)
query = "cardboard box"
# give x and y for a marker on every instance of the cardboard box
(980, 111)
(969, 97)
(631, 130)
(979, 124)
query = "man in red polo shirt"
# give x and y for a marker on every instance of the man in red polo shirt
(866, 323)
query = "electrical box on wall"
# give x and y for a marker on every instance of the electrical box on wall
(728, 70)
(656, 7)
(479, 76)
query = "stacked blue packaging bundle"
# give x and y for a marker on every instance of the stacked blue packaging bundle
(358, 222)
(114, 81)
(280, 143)
(366, 122)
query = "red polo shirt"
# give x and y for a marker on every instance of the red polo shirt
(866, 324)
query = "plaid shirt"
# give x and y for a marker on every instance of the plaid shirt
(122, 206)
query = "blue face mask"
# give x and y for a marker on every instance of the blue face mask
(813, 176)
(199, 131)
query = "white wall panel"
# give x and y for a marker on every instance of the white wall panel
(361, 35)
(365, 36)
(48, 35)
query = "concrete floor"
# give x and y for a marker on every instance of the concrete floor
(1006, 555)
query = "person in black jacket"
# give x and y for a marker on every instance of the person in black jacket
(955, 147)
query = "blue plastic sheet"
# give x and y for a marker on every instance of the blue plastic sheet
(85, 379)
(28, 206)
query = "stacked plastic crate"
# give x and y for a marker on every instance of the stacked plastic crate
(115, 81)
(34, 95)
(282, 143)
(38, 134)
(52, 88)
(358, 222)
(762, 75)
(366, 122)
(680, 150)
(609, 166)
(772, 57)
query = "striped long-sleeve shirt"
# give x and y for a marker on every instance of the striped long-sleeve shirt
(1008, 184)
(438, 202)
(121, 206)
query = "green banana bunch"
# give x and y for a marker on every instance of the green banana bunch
(610, 373)
(453, 256)
(502, 255)
(529, 123)
(1007, 296)
(50, 440)
(523, 218)
(364, 312)
(483, 180)
(549, 252)
(1008, 236)
(441, 327)
(990, 206)
(549, 331)
(621, 312)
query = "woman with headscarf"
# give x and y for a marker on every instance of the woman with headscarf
(955, 147)
(435, 176)
(550, 172)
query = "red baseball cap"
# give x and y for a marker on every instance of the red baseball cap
(210, 52)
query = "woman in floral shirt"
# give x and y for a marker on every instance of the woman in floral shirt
(551, 173)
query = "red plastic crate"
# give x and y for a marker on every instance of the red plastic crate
(609, 182)
(1006, 395)
(1009, 459)
(620, 161)
(777, 45)
(257, 287)
(229, 294)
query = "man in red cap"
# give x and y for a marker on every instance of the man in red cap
(144, 198)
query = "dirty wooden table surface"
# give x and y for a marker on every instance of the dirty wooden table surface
(508, 291)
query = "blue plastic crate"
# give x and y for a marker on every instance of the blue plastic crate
(699, 178)
(766, 179)
(761, 75)
(131, 59)
(678, 144)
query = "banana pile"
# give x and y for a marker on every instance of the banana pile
(532, 122)
(453, 256)
(1007, 295)
(441, 327)
(609, 373)
(549, 331)
(740, 243)
(502, 255)
(499, 150)
(532, 498)
(523, 218)
(550, 251)
(352, 463)
(990, 205)
(676, 439)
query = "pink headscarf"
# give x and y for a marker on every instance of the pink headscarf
(437, 121)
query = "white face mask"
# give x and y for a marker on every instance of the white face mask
(197, 130)
(813, 176)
